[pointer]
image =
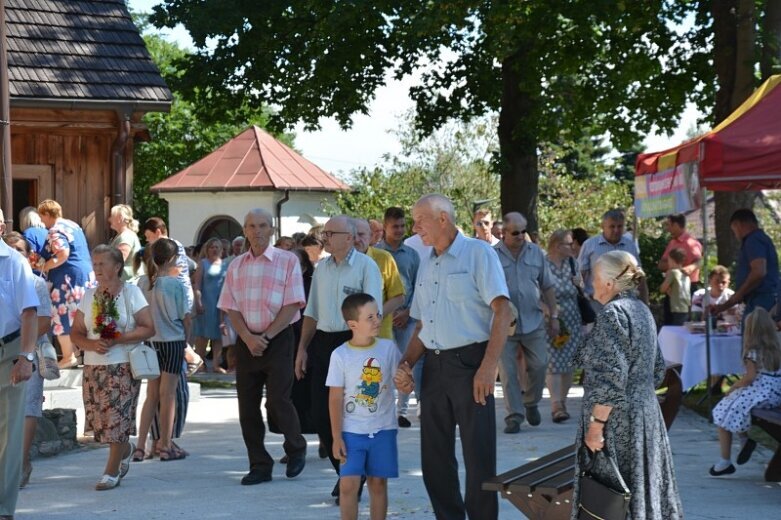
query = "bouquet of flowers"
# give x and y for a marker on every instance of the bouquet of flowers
(563, 337)
(104, 309)
(36, 261)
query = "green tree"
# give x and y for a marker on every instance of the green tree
(546, 66)
(455, 161)
(180, 137)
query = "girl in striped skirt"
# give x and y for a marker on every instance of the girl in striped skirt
(167, 296)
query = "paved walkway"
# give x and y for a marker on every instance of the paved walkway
(206, 484)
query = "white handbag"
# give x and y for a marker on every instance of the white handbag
(143, 358)
(143, 362)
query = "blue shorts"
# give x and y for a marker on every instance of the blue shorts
(371, 455)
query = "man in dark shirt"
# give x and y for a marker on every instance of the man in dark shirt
(756, 274)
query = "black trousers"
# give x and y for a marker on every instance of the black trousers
(448, 401)
(320, 349)
(274, 370)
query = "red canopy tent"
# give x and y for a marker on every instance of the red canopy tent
(742, 153)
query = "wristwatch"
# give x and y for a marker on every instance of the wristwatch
(594, 419)
(29, 356)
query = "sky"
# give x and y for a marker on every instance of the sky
(363, 145)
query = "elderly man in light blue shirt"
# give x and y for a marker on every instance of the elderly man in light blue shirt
(463, 312)
(612, 238)
(18, 327)
(323, 329)
(530, 282)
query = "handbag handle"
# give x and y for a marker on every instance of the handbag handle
(592, 459)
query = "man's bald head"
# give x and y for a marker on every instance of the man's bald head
(437, 204)
(515, 218)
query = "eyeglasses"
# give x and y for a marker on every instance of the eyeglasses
(516, 233)
(329, 234)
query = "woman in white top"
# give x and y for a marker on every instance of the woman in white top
(112, 319)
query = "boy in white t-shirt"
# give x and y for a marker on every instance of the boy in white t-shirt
(363, 411)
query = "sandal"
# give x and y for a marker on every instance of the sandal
(138, 455)
(179, 449)
(171, 454)
(560, 416)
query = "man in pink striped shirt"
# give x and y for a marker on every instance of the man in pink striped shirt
(263, 294)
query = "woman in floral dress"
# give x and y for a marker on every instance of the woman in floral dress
(562, 348)
(68, 269)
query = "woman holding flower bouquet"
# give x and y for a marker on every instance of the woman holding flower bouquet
(565, 274)
(112, 319)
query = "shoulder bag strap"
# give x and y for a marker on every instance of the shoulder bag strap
(618, 473)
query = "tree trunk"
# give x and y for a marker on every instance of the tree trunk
(734, 51)
(771, 41)
(518, 142)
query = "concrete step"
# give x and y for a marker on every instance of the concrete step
(71, 398)
(71, 377)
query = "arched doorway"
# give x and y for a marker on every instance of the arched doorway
(220, 226)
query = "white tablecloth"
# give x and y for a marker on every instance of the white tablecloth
(680, 346)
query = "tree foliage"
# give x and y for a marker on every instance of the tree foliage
(181, 136)
(454, 161)
(553, 69)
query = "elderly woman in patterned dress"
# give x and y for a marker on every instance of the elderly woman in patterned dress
(562, 348)
(112, 319)
(623, 364)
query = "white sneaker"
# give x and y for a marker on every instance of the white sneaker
(107, 482)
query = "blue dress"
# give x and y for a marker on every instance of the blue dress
(36, 237)
(207, 325)
(67, 281)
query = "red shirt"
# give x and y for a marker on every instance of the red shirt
(693, 249)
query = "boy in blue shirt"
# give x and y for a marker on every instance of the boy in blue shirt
(362, 407)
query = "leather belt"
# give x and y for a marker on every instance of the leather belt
(10, 337)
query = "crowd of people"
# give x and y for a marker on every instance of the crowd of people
(330, 322)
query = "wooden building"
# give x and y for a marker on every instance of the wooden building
(80, 80)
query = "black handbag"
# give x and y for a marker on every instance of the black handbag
(587, 314)
(598, 501)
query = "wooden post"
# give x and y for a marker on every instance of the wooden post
(6, 184)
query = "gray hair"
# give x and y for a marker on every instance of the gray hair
(622, 268)
(238, 240)
(260, 212)
(616, 214)
(438, 204)
(29, 218)
(113, 253)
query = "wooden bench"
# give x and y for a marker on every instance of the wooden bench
(670, 401)
(770, 421)
(541, 489)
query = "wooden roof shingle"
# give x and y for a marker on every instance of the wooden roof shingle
(78, 50)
